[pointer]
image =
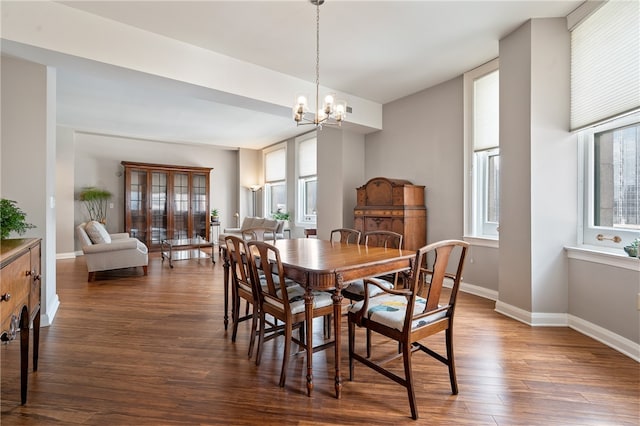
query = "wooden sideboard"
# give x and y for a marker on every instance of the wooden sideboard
(20, 260)
(393, 205)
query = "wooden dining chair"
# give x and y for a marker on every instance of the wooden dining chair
(285, 303)
(355, 290)
(242, 287)
(387, 239)
(406, 317)
(345, 235)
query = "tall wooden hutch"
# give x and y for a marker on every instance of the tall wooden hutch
(393, 205)
(166, 202)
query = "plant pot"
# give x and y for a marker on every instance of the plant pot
(631, 251)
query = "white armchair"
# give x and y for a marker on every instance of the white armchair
(104, 251)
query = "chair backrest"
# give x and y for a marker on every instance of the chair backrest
(259, 234)
(345, 235)
(264, 260)
(444, 251)
(239, 263)
(386, 239)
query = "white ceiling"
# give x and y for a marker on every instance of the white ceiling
(376, 50)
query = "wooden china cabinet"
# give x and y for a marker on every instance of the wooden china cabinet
(166, 202)
(393, 205)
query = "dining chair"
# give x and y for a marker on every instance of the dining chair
(387, 239)
(285, 303)
(242, 287)
(406, 317)
(355, 290)
(345, 235)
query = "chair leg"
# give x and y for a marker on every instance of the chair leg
(236, 309)
(406, 355)
(327, 326)
(368, 343)
(144, 270)
(254, 328)
(91, 277)
(451, 362)
(260, 338)
(287, 352)
(352, 344)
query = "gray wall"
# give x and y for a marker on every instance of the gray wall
(422, 141)
(606, 296)
(28, 160)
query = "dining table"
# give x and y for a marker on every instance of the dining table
(330, 266)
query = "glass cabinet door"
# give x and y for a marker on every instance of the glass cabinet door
(199, 204)
(180, 206)
(158, 207)
(138, 204)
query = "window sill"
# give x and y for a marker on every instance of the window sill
(604, 255)
(482, 241)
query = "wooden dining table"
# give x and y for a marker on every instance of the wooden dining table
(324, 265)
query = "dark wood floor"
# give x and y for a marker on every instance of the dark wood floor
(134, 350)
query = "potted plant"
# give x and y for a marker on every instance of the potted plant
(279, 215)
(95, 200)
(214, 215)
(12, 219)
(632, 249)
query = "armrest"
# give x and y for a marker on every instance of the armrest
(121, 244)
(227, 230)
(119, 235)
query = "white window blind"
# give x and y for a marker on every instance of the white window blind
(275, 165)
(605, 64)
(307, 157)
(486, 111)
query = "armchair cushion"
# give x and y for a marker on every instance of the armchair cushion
(97, 233)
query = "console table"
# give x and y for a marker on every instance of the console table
(20, 262)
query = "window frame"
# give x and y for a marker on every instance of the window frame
(476, 229)
(587, 231)
(270, 184)
(303, 219)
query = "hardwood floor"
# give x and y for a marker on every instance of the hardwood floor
(134, 350)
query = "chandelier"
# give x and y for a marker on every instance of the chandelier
(332, 112)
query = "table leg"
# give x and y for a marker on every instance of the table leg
(308, 310)
(36, 339)
(24, 356)
(337, 320)
(226, 287)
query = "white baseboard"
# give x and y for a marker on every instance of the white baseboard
(602, 335)
(71, 255)
(479, 291)
(46, 319)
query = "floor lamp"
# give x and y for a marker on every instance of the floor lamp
(254, 190)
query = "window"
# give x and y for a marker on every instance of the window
(275, 188)
(605, 110)
(482, 159)
(307, 180)
(612, 181)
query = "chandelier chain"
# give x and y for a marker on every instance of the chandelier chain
(317, 60)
